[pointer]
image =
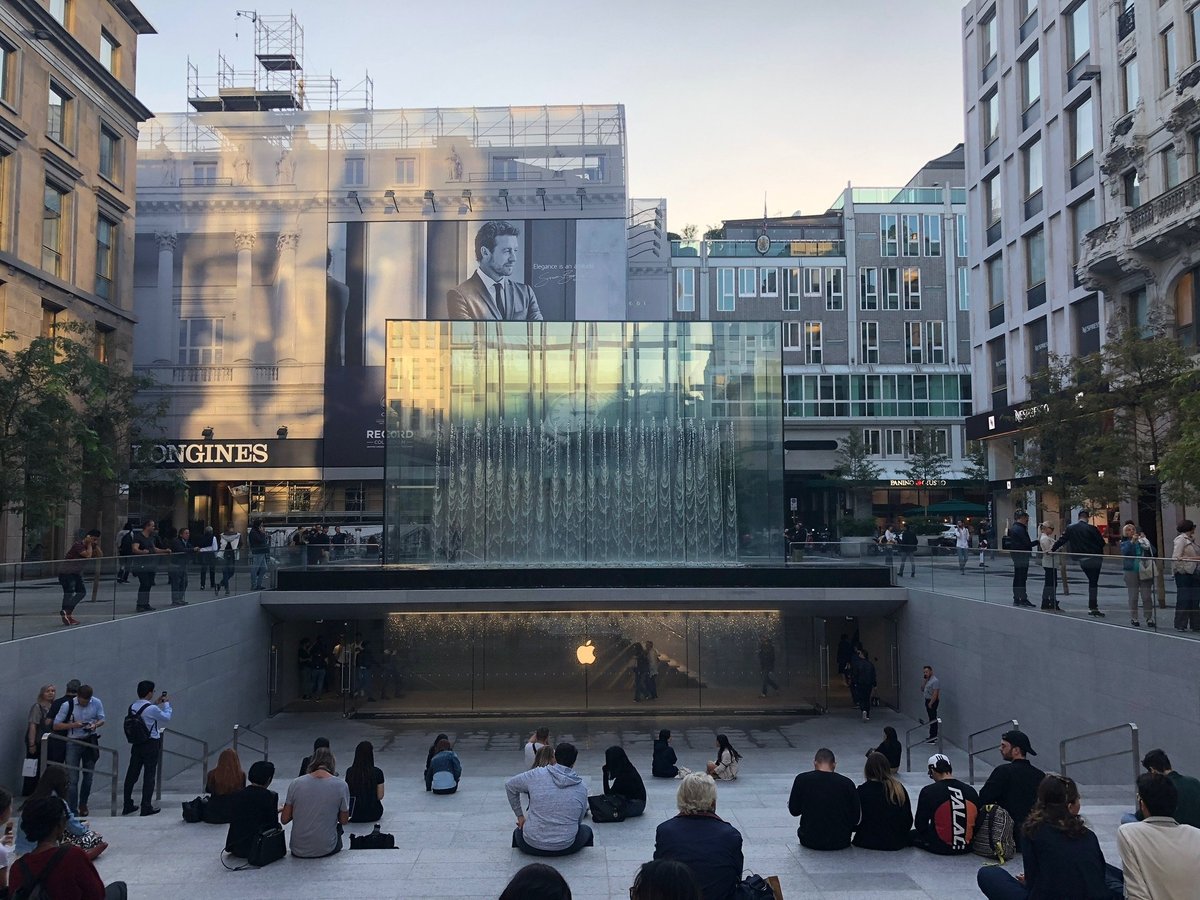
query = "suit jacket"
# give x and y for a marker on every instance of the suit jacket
(472, 300)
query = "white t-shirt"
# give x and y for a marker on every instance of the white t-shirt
(962, 538)
(531, 750)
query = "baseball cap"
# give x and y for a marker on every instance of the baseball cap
(939, 762)
(1019, 740)
(74, 685)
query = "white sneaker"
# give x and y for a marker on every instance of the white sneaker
(865, 717)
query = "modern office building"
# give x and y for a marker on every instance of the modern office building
(873, 297)
(68, 126)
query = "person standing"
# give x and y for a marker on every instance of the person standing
(641, 672)
(766, 664)
(125, 552)
(228, 548)
(651, 671)
(1049, 566)
(827, 804)
(1084, 540)
(1014, 785)
(1021, 547)
(177, 566)
(931, 691)
(908, 549)
(80, 719)
(207, 548)
(145, 754)
(260, 553)
(57, 750)
(887, 542)
(962, 544)
(70, 574)
(39, 721)
(862, 681)
(1185, 558)
(1137, 566)
(984, 533)
(145, 565)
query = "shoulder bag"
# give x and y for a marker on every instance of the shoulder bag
(376, 840)
(193, 810)
(268, 846)
(607, 808)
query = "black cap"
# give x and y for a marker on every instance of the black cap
(1019, 740)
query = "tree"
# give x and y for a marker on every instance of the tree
(927, 461)
(1180, 470)
(715, 233)
(977, 462)
(689, 232)
(855, 468)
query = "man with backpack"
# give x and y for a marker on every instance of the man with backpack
(1013, 786)
(908, 549)
(144, 721)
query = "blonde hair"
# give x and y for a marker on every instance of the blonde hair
(697, 794)
(543, 757)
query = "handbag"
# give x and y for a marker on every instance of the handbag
(193, 810)
(29, 767)
(376, 840)
(268, 846)
(607, 808)
(1147, 570)
(755, 887)
(85, 841)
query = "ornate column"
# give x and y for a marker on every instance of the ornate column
(165, 324)
(284, 315)
(239, 327)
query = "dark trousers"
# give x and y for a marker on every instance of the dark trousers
(143, 761)
(1049, 587)
(179, 584)
(908, 557)
(1187, 599)
(145, 583)
(227, 569)
(208, 567)
(583, 838)
(997, 884)
(862, 696)
(931, 708)
(1021, 578)
(767, 680)
(1091, 570)
(73, 591)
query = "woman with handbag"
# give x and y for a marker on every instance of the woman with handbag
(39, 722)
(365, 781)
(626, 784)
(222, 785)
(255, 809)
(53, 785)
(1138, 568)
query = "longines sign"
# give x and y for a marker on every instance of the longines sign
(229, 454)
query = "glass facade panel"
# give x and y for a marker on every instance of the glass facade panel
(583, 443)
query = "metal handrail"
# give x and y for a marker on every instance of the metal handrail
(202, 758)
(972, 752)
(1133, 750)
(238, 729)
(112, 776)
(908, 746)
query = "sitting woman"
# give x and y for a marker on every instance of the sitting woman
(365, 781)
(544, 757)
(53, 784)
(433, 751)
(253, 809)
(444, 769)
(62, 871)
(222, 785)
(1061, 854)
(890, 748)
(626, 782)
(664, 760)
(699, 838)
(886, 814)
(725, 767)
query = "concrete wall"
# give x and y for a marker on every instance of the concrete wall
(211, 657)
(1059, 676)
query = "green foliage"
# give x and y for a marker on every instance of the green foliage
(977, 462)
(926, 462)
(855, 468)
(926, 525)
(851, 527)
(689, 232)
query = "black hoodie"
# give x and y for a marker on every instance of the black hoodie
(664, 760)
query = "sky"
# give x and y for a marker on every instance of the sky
(725, 101)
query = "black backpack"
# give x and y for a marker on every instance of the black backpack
(136, 729)
(33, 888)
(909, 539)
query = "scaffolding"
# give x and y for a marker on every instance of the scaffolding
(275, 82)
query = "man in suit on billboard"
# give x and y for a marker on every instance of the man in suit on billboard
(491, 293)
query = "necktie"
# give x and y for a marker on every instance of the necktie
(500, 299)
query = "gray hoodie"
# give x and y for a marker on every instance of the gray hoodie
(557, 804)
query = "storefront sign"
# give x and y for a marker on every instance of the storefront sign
(918, 482)
(229, 454)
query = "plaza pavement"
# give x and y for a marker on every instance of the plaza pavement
(459, 846)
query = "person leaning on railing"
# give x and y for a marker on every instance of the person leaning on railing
(1185, 558)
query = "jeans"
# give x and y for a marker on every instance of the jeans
(258, 570)
(862, 697)
(1187, 588)
(962, 558)
(227, 569)
(143, 760)
(208, 567)
(318, 682)
(73, 591)
(1049, 587)
(179, 584)
(1020, 578)
(145, 583)
(583, 838)
(79, 780)
(908, 556)
(931, 710)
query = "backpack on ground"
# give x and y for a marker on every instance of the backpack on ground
(33, 888)
(376, 840)
(994, 829)
(136, 729)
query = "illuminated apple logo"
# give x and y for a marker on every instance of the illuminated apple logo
(586, 653)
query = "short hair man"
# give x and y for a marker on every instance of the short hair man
(1161, 857)
(144, 757)
(80, 718)
(1020, 545)
(946, 811)
(827, 804)
(145, 566)
(1187, 811)
(931, 692)
(318, 805)
(491, 293)
(552, 825)
(70, 574)
(1014, 784)
(1084, 541)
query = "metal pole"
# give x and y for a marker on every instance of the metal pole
(235, 737)
(1137, 760)
(939, 734)
(162, 761)
(112, 787)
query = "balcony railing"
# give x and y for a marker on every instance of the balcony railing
(1165, 206)
(749, 249)
(1126, 24)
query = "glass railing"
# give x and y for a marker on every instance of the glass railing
(777, 248)
(890, 195)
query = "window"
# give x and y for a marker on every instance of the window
(872, 441)
(868, 342)
(889, 244)
(5, 192)
(726, 298)
(1083, 220)
(356, 499)
(58, 118)
(835, 298)
(991, 117)
(935, 347)
(1039, 346)
(1170, 165)
(8, 72)
(1032, 164)
(1035, 258)
(110, 153)
(791, 335)
(300, 497)
(1194, 15)
(406, 170)
(895, 441)
(106, 257)
(768, 282)
(911, 395)
(987, 39)
(747, 282)
(204, 172)
(61, 10)
(109, 52)
(103, 347)
(1031, 79)
(55, 233)
(812, 282)
(1079, 32)
(891, 288)
(1082, 138)
(911, 230)
(1132, 184)
(685, 290)
(201, 342)
(1170, 69)
(49, 320)
(912, 288)
(868, 288)
(791, 288)
(960, 233)
(812, 343)
(933, 235)
(1129, 84)
(354, 170)
(913, 343)
(964, 287)
(995, 277)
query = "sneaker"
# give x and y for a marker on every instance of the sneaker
(179, 603)
(1150, 623)
(150, 811)
(144, 609)
(66, 620)
(1096, 613)
(128, 810)
(83, 810)
(1135, 623)
(865, 717)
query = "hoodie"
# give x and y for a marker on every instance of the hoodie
(557, 804)
(664, 760)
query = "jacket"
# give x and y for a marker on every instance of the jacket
(663, 765)
(1018, 540)
(1082, 537)
(945, 818)
(1161, 858)
(1014, 786)
(1185, 554)
(707, 844)
(1049, 557)
(445, 769)
(557, 804)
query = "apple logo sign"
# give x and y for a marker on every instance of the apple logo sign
(586, 653)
